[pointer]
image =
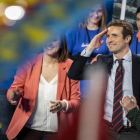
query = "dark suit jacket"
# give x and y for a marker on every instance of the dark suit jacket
(78, 70)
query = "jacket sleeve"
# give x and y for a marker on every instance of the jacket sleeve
(134, 116)
(79, 70)
(75, 96)
(19, 80)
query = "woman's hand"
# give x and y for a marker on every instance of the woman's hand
(127, 103)
(58, 106)
(14, 96)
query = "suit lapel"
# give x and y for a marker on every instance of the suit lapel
(61, 79)
(135, 77)
(36, 74)
(109, 64)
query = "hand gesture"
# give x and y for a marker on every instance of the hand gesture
(14, 96)
(128, 103)
(57, 106)
(96, 42)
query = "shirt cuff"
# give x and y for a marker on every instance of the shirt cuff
(66, 107)
(86, 53)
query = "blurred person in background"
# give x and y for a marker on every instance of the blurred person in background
(46, 98)
(79, 37)
(131, 110)
(135, 45)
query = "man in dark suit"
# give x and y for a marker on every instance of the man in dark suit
(123, 69)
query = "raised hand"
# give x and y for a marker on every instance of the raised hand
(14, 96)
(96, 42)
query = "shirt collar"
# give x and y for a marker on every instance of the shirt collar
(127, 57)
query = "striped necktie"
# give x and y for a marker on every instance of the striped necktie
(117, 118)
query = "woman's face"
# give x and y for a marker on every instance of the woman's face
(95, 14)
(52, 47)
(138, 21)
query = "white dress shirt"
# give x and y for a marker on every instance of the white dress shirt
(127, 84)
(42, 119)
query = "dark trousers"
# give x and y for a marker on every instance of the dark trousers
(123, 134)
(30, 134)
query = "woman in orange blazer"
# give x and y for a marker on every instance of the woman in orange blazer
(46, 98)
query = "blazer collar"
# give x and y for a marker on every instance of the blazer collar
(109, 63)
(37, 67)
(62, 73)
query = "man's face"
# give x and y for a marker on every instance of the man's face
(115, 41)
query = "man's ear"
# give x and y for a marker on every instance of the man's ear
(128, 39)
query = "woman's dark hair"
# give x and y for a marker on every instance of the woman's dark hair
(63, 51)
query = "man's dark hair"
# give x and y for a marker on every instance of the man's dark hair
(127, 28)
(138, 10)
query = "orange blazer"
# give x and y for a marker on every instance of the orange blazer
(27, 79)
